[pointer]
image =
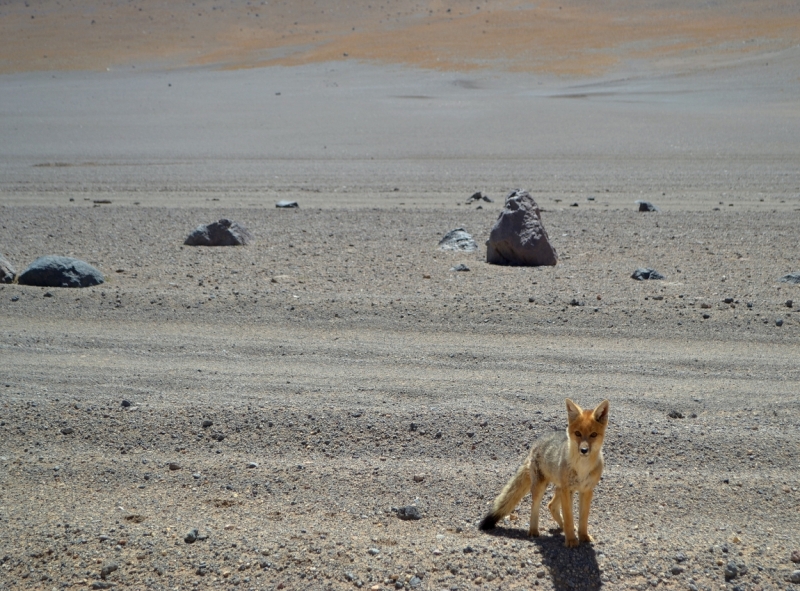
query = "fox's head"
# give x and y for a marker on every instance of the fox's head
(587, 428)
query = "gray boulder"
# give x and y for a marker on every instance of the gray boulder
(221, 233)
(7, 272)
(458, 239)
(56, 271)
(518, 236)
(791, 278)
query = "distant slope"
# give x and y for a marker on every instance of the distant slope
(570, 37)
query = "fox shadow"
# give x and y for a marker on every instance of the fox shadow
(569, 569)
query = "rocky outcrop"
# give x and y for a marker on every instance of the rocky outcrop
(458, 239)
(221, 233)
(57, 271)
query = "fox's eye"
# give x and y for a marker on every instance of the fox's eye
(577, 433)
(593, 435)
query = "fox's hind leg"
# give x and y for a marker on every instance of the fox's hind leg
(555, 507)
(537, 492)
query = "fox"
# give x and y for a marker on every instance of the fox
(573, 461)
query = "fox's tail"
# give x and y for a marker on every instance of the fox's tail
(509, 497)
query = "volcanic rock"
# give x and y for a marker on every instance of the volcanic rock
(458, 239)
(221, 233)
(57, 271)
(518, 237)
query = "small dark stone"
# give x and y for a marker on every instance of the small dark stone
(731, 571)
(207, 423)
(67, 431)
(680, 557)
(789, 303)
(108, 569)
(706, 316)
(468, 550)
(643, 274)
(412, 427)
(47, 294)
(174, 466)
(796, 556)
(646, 206)
(779, 322)
(409, 513)
(795, 577)
(221, 233)
(15, 298)
(677, 569)
(126, 403)
(191, 536)
(728, 300)
(283, 204)
(101, 585)
(460, 267)
(674, 414)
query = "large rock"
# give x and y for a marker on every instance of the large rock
(221, 233)
(56, 271)
(518, 237)
(458, 239)
(7, 272)
(791, 278)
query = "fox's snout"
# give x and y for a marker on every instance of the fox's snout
(584, 449)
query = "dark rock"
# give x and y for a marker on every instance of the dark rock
(7, 272)
(67, 431)
(460, 267)
(731, 571)
(791, 278)
(677, 569)
(287, 204)
(107, 569)
(680, 557)
(642, 274)
(207, 423)
(518, 236)
(674, 414)
(126, 403)
(789, 303)
(646, 206)
(796, 556)
(221, 233)
(409, 513)
(191, 536)
(101, 585)
(47, 294)
(57, 271)
(479, 197)
(795, 577)
(174, 466)
(458, 239)
(779, 322)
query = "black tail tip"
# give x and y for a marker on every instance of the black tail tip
(488, 522)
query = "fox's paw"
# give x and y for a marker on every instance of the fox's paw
(585, 538)
(571, 542)
(533, 532)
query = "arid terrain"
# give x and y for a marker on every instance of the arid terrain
(258, 417)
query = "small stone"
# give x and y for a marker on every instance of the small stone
(680, 557)
(67, 431)
(101, 585)
(196, 475)
(731, 571)
(791, 278)
(207, 423)
(461, 267)
(174, 466)
(409, 513)
(643, 274)
(350, 577)
(419, 477)
(789, 303)
(795, 577)
(284, 204)
(374, 551)
(15, 298)
(252, 465)
(47, 294)
(126, 404)
(796, 556)
(674, 414)
(468, 550)
(779, 322)
(414, 582)
(107, 569)
(191, 536)
(458, 239)
(677, 569)
(706, 316)
(646, 206)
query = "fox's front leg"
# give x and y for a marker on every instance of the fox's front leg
(568, 522)
(584, 501)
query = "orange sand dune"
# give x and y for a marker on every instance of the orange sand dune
(572, 37)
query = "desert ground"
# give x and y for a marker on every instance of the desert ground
(257, 417)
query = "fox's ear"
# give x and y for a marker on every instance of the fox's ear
(601, 412)
(573, 410)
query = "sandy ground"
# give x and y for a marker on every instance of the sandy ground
(285, 398)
